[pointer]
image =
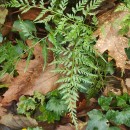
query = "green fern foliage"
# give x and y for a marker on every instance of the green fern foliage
(76, 59)
(76, 63)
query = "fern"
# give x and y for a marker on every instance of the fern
(77, 64)
(73, 49)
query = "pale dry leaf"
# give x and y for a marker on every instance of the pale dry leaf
(110, 40)
(34, 79)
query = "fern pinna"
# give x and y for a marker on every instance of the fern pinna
(76, 59)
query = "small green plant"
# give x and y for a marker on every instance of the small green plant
(51, 107)
(115, 111)
(10, 54)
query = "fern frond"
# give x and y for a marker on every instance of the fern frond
(94, 4)
(42, 13)
(79, 6)
(13, 3)
(53, 3)
(46, 19)
(74, 54)
(63, 4)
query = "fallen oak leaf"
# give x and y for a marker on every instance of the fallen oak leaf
(34, 79)
(109, 38)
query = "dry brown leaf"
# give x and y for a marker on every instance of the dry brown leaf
(110, 40)
(31, 14)
(34, 79)
(7, 28)
(17, 121)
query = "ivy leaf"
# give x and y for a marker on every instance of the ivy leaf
(111, 115)
(56, 105)
(105, 102)
(123, 117)
(95, 114)
(97, 121)
(122, 100)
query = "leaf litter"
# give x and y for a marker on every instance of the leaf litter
(35, 79)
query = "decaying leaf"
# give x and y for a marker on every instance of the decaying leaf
(17, 121)
(109, 38)
(34, 79)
